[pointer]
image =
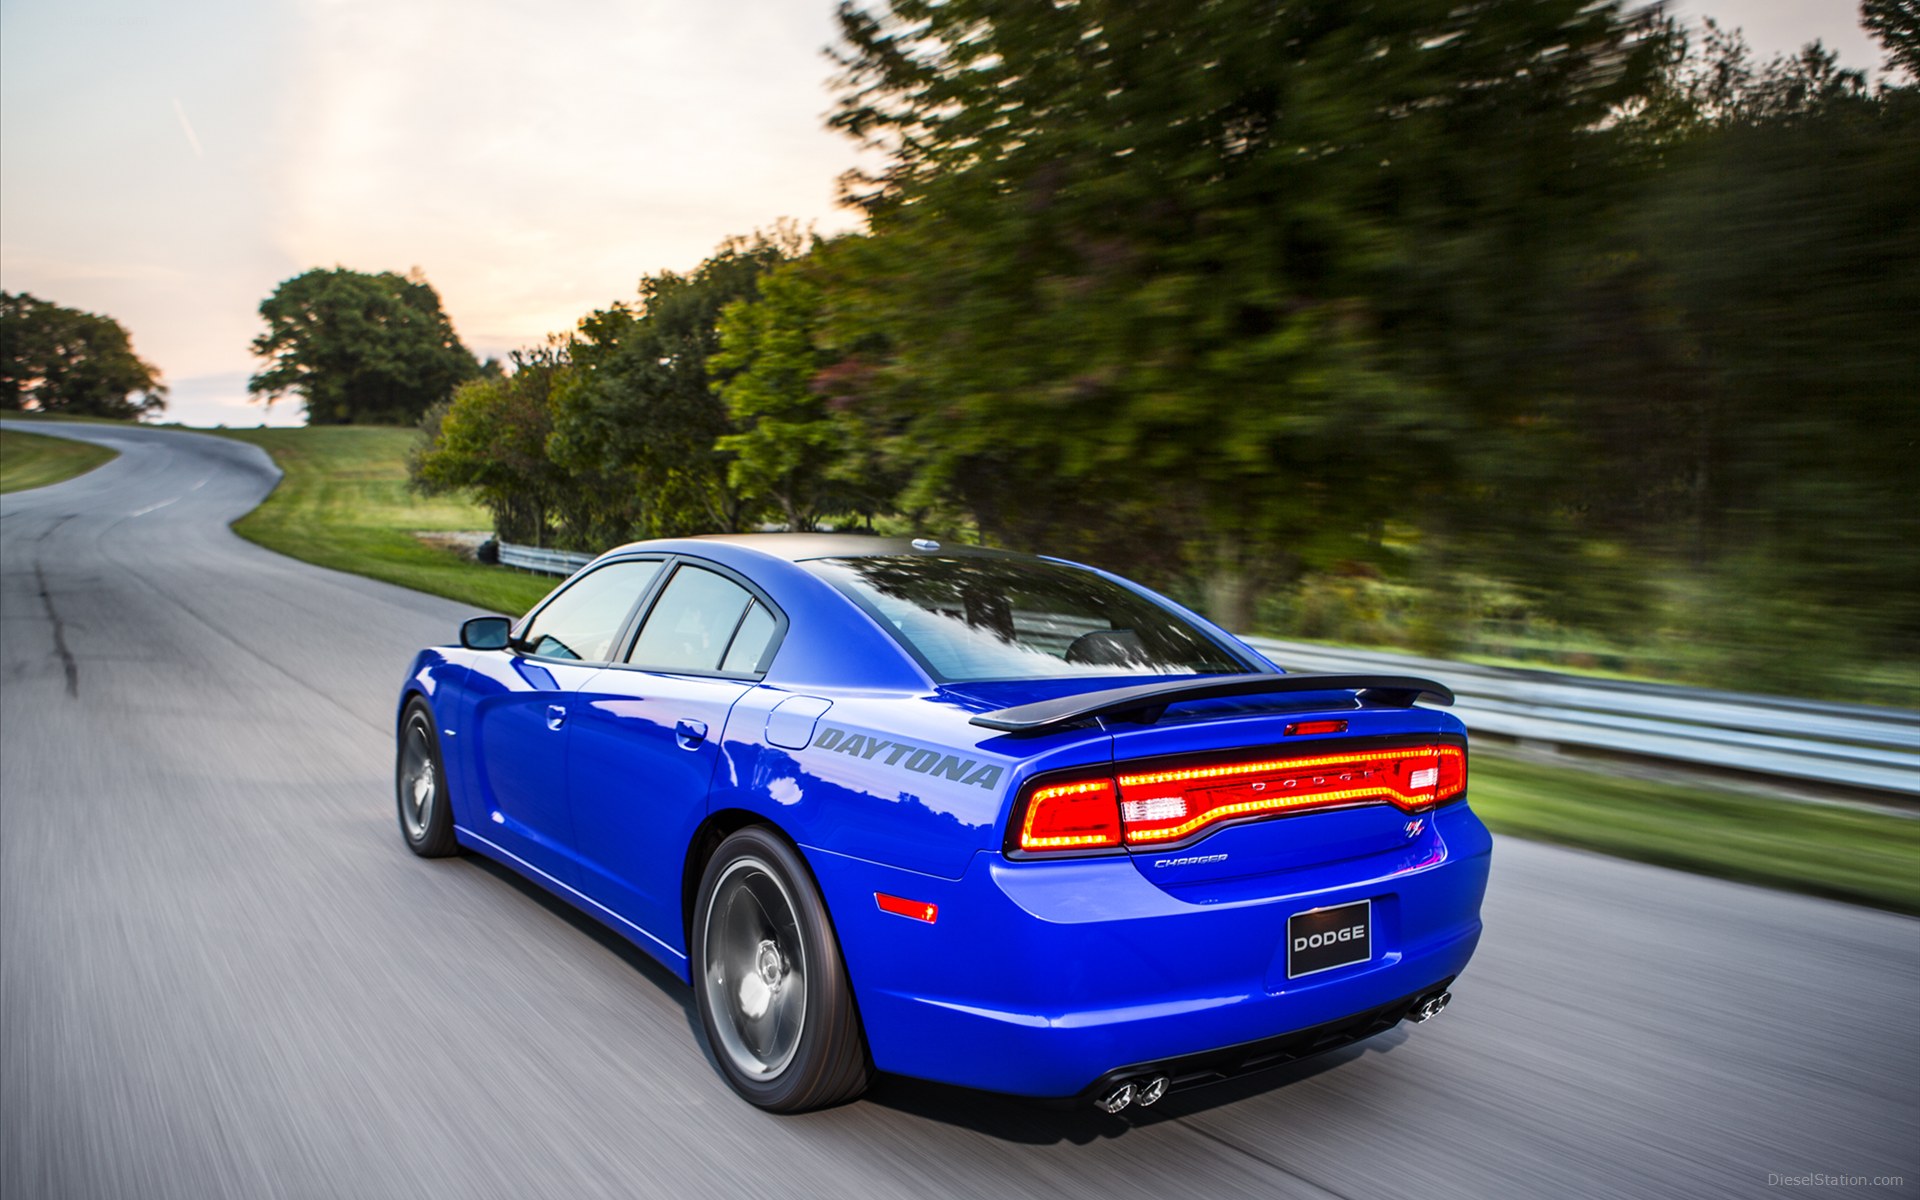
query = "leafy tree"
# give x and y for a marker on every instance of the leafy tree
(640, 406)
(1896, 23)
(490, 440)
(1252, 275)
(800, 447)
(62, 360)
(359, 348)
(1749, 391)
(1791, 251)
(1713, 82)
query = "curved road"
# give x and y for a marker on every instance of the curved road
(221, 974)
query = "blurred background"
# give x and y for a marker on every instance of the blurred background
(1538, 331)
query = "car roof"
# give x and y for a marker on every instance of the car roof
(802, 547)
(831, 642)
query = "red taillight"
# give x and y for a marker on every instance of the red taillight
(1160, 807)
(1168, 806)
(1453, 773)
(1304, 728)
(1071, 816)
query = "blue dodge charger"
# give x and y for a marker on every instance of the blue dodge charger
(985, 818)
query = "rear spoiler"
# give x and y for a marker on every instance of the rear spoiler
(1148, 700)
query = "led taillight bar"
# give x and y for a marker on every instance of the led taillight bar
(1166, 806)
(1155, 808)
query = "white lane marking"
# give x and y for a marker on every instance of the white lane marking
(141, 512)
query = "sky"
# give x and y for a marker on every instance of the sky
(170, 164)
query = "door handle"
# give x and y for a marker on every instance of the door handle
(556, 715)
(690, 734)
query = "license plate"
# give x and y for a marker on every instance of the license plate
(1326, 938)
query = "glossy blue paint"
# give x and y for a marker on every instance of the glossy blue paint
(517, 734)
(636, 792)
(903, 781)
(1038, 976)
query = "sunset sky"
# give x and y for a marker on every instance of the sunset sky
(170, 164)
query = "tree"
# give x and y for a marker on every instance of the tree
(359, 348)
(62, 360)
(1896, 23)
(640, 405)
(800, 446)
(1790, 252)
(490, 440)
(1254, 275)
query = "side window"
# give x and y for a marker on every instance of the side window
(749, 650)
(584, 619)
(692, 624)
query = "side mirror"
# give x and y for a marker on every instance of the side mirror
(485, 633)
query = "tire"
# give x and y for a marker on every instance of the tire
(420, 786)
(769, 981)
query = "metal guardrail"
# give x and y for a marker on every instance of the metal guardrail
(1845, 745)
(546, 562)
(1848, 745)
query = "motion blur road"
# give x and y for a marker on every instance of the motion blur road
(221, 973)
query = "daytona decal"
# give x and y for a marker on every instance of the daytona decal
(922, 760)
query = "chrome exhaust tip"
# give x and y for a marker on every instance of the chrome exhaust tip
(1117, 1099)
(1429, 1008)
(1151, 1091)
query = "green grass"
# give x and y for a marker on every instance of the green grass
(1843, 853)
(345, 504)
(30, 460)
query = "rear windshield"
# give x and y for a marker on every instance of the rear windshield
(971, 619)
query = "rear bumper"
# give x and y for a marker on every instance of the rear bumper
(1228, 1062)
(1044, 978)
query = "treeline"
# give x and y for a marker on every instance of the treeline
(1403, 322)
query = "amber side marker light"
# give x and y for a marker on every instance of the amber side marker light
(900, 906)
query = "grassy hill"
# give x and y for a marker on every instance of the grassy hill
(345, 504)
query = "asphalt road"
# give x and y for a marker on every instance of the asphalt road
(221, 973)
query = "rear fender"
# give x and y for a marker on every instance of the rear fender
(888, 778)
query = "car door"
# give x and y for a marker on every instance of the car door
(646, 739)
(524, 706)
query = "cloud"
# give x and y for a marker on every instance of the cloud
(186, 127)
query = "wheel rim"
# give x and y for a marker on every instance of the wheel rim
(756, 969)
(419, 782)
